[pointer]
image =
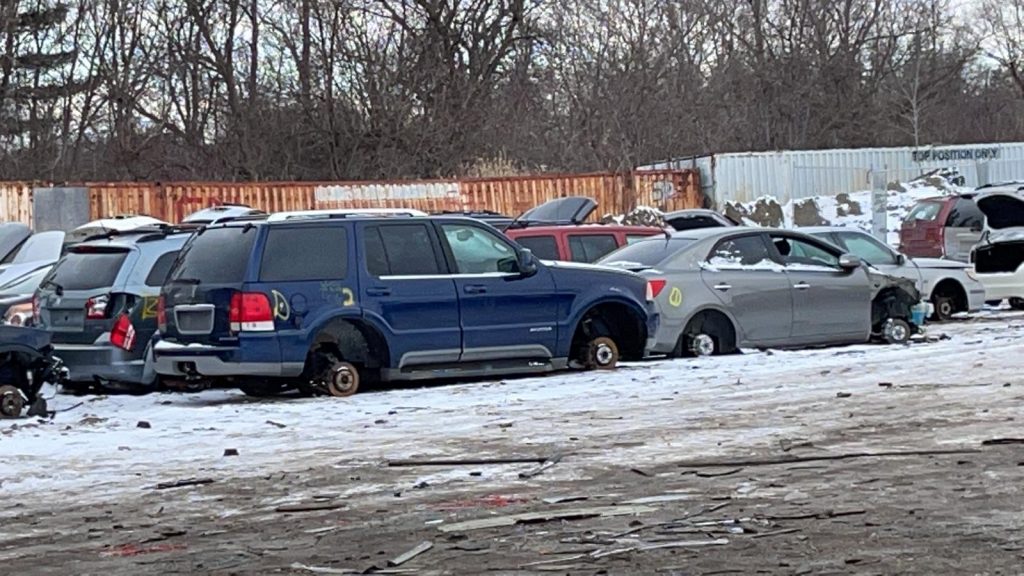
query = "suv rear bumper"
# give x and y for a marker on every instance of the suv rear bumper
(180, 360)
(90, 362)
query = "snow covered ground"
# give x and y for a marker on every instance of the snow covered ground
(665, 409)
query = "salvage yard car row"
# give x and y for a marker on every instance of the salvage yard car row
(328, 302)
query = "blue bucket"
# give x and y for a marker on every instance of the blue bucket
(918, 313)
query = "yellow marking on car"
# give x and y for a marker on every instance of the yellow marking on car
(675, 297)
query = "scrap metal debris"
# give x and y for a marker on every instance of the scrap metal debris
(309, 507)
(549, 463)
(414, 552)
(530, 517)
(184, 483)
(798, 459)
(469, 461)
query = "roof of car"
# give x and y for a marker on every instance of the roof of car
(541, 230)
(144, 234)
(826, 229)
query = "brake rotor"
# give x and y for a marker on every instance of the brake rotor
(602, 354)
(11, 402)
(702, 345)
(342, 379)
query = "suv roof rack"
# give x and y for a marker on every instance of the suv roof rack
(149, 232)
(345, 213)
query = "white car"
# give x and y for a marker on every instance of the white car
(120, 223)
(949, 285)
(999, 256)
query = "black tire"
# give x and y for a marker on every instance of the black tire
(945, 307)
(993, 302)
(1017, 303)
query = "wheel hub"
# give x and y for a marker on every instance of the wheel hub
(702, 345)
(604, 354)
(11, 402)
(343, 379)
(897, 331)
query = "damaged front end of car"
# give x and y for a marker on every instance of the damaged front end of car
(897, 310)
(26, 363)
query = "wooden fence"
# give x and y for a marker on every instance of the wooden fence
(615, 193)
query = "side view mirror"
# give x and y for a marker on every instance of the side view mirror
(527, 262)
(901, 259)
(849, 262)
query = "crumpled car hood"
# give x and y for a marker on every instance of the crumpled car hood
(881, 281)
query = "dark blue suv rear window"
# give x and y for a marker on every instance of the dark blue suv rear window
(305, 253)
(215, 256)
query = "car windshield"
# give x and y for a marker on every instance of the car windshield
(646, 254)
(26, 283)
(925, 212)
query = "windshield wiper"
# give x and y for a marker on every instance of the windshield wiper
(57, 288)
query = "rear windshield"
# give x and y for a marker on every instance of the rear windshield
(87, 270)
(216, 256)
(925, 212)
(647, 253)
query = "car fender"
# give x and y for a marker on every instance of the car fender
(741, 337)
(28, 351)
(565, 339)
(375, 322)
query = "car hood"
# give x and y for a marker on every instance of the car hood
(880, 281)
(1002, 209)
(581, 267)
(934, 263)
(12, 271)
(571, 210)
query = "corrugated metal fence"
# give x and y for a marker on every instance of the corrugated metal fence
(794, 174)
(615, 194)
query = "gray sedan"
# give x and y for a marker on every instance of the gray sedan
(718, 289)
(949, 285)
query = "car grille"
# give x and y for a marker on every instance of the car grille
(194, 319)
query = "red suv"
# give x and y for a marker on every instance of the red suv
(942, 227)
(555, 230)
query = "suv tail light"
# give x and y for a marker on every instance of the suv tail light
(161, 314)
(96, 307)
(122, 334)
(251, 312)
(654, 287)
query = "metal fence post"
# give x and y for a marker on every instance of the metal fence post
(879, 202)
(981, 172)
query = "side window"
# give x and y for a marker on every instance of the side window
(742, 251)
(798, 253)
(591, 247)
(965, 214)
(158, 273)
(543, 247)
(305, 253)
(478, 251)
(400, 250)
(867, 248)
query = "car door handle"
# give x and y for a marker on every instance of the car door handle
(801, 286)
(378, 291)
(474, 288)
(723, 287)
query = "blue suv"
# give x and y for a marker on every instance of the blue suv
(330, 301)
